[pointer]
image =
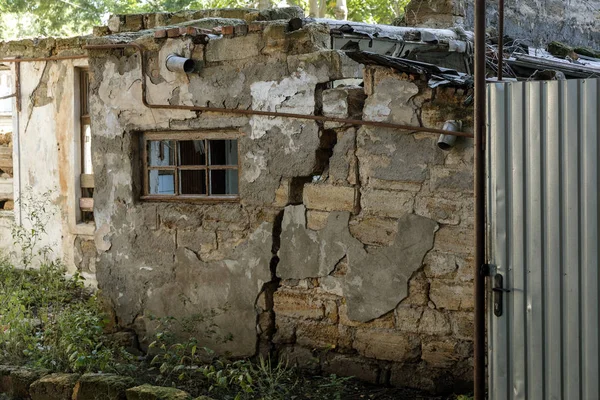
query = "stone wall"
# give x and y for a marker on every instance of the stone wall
(349, 248)
(376, 262)
(536, 22)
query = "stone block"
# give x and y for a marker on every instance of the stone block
(134, 22)
(375, 231)
(440, 265)
(316, 335)
(384, 322)
(5, 379)
(386, 203)
(451, 296)
(452, 179)
(149, 392)
(21, 379)
(325, 65)
(329, 197)
(391, 346)
(462, 324)
(434, 322)
(343, 365)
(54, 387)
(344, 102)
(231, 49)
(455, 240)
(440, 353)
(414, 376)
(316, 220)
(407, 318)
(418, 291)
(296, 304)
(444, 211)
(404, 186)
(102, 387)
(342, 163)
(285, 330)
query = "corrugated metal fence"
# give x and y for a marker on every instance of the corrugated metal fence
(543, 220)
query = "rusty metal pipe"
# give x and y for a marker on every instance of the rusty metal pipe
(479, 350)
(53, 58)
(18, 86)
(258, 112)
(8, 97)
(500, 38)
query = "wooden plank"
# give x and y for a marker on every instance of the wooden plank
(86, 204)
(87, 181)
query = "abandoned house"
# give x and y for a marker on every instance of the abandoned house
(244, 165)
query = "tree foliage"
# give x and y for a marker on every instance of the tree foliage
(26, 18)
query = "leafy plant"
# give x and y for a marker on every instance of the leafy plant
(27, 236)
(335, 384)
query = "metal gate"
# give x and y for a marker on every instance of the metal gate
(543, 179)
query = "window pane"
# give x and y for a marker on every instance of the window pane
(192, 182)
(223, 152)
(86, 149)
(224, 181)
(161, 182)
(192, 152)
(161, 153)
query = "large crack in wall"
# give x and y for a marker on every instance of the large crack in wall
(375, 280)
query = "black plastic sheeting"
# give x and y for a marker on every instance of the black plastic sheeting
(436, 76)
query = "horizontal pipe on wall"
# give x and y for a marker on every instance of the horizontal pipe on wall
(321, 118)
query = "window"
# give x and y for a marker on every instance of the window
(191, 166)
(86, 202)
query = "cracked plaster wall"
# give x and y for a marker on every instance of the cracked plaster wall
(359, 294)
(344, 237)
(47, 145)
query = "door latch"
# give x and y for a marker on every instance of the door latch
(498, 290)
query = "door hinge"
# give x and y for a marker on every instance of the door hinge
(499, 290)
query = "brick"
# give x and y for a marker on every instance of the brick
(241, 30)
(391, 346)
(160, 34)
(228, 30)
(173, 32)
(386, 203)
(450, 296)
(329, 197)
